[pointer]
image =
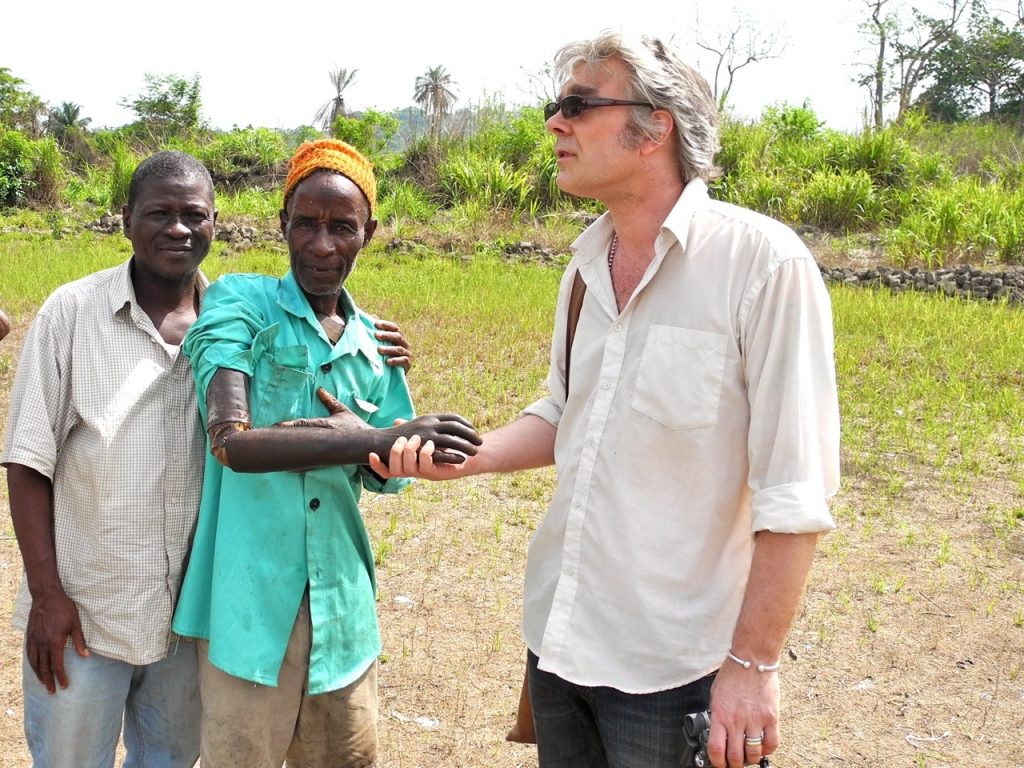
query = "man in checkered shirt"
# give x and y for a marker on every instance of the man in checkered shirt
(104, 455)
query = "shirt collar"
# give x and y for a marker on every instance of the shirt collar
(591, 244)
(355, 338)
(121, 289)
(693, 198)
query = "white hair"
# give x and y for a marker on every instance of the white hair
(657, 75)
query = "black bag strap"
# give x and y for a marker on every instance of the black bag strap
(576, 295)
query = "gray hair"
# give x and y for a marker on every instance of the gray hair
(658, 76)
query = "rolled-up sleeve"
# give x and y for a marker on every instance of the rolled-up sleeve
(223, 336)
(793, 443)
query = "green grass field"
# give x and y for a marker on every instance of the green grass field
(909, 649)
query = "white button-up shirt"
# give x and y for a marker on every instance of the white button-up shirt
(703, 412)
(107, 411)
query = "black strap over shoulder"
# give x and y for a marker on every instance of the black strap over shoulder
(576, 295)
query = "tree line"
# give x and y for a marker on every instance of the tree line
(960, 63)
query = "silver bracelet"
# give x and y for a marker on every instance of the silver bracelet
(749, 664)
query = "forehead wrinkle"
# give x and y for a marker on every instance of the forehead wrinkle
(600, 73)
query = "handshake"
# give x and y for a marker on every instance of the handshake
(695, 735)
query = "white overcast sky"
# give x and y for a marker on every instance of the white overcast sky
(267, 64)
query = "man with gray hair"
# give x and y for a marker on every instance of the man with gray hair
(696, 440)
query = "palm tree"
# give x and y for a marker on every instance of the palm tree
(64, 118)
(326, 115)
(435, 96)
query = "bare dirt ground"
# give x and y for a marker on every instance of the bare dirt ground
(908, 652)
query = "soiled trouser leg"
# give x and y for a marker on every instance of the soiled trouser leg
(248, 724)
(258, 726)
(338, 729)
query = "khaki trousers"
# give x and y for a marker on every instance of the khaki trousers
(247, 725)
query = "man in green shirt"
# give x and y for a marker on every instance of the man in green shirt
(280, 586)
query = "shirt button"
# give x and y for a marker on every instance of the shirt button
(618, 326)
(314, 504)
(605, 385)
(326, 367)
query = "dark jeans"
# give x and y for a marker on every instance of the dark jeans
(598, 727)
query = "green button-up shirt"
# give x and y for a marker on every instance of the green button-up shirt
(261, 538)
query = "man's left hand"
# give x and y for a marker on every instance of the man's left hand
(340, 418)
(744, 708)
(395, 346)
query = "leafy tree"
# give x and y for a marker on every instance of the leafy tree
(905, 51)
(435, 96)
(950, 98)
(335, 107)
(982, 71)
(67, 117)
(371, 133)
(169, 106)
(995, 57)
(20, 109)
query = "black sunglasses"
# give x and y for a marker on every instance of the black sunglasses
(572, 105)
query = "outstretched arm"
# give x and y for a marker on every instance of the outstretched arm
(53, 616)
(306, 444)
(526, 443)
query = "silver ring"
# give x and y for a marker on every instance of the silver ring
(753, 742)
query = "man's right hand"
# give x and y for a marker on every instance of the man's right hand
(51, 621)
(412, 457)
(452, 436)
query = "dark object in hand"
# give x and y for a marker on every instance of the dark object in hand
(696, 727)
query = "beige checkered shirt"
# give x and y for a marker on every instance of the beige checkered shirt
(105, 410)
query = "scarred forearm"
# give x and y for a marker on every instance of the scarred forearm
(309, 443)
(284, 449)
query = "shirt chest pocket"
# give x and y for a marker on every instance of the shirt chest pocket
(679, 379)
(280, 385)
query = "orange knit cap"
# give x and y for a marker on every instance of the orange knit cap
(332, 155)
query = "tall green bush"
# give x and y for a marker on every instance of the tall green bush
(483, 179)
(841, 201)
(48, 176)
(242, 154)
(124, 163)
(15, 166)
(403, 200)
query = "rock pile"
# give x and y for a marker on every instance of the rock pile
(964, 281)
(527, 251)
(243, 237)
(108, 224)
